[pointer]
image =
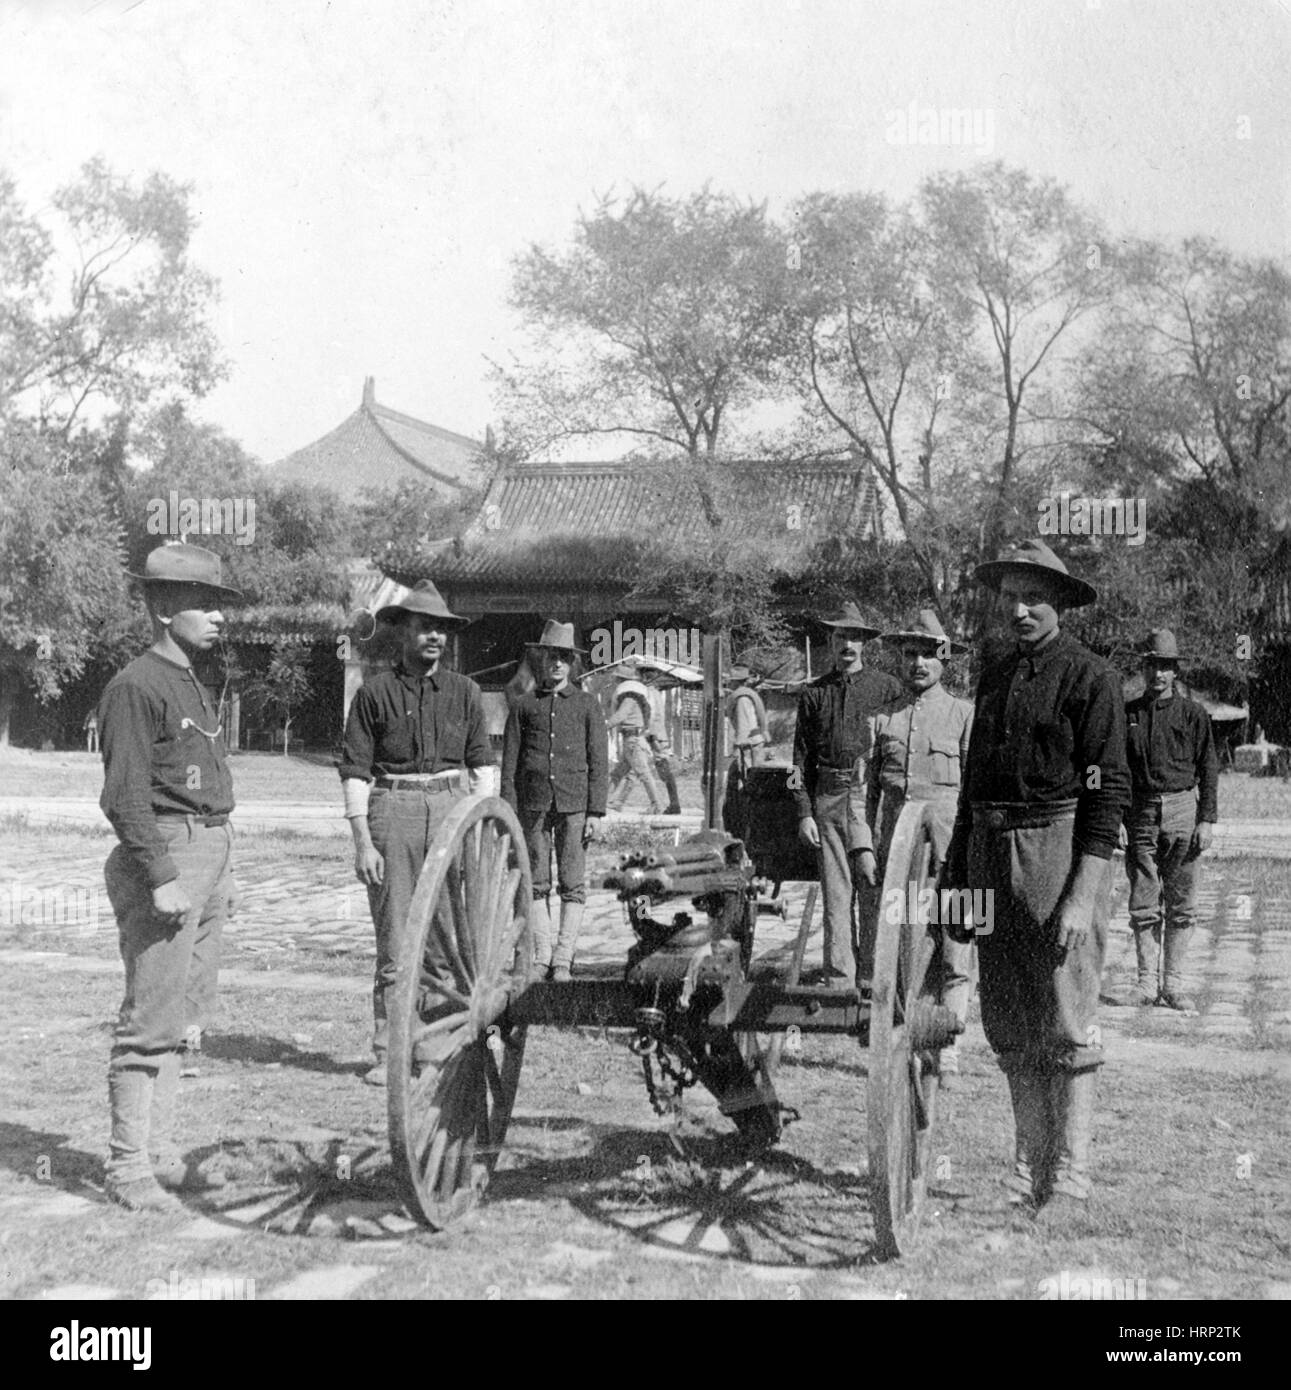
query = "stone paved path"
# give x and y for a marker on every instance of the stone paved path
(299, 914)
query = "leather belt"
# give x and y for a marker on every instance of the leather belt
(209, 821)
(428, 782)
(1021, 815)
(1155, 798)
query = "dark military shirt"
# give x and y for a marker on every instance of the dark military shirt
(1171, 749)
(163, 753)
(554, 753)
(1050, 726)
(832, 728)
(402, 724)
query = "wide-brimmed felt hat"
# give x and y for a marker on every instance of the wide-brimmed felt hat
(424, 598)
(558, 637)
(1160, 645)
(177, 563)
(929, 631)
(739, 674)
(848, 616)
(1032, 556)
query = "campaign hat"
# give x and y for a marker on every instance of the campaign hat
(558, 637)
(423, 598)
(928, 630)
(1160, 645)
(849, 616)
(1032, 556)
(174, 562)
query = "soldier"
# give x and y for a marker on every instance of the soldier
(168, 793)
(631, 718)
(411, 733)
(830, 747)
(1171, 822)
(1044, 792)
(748, 716)
(555, 774)
(658, 739)
(920, 743)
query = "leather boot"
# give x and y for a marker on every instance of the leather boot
(1147, 947)
(129, 1180)
(1072, 1098)
(540, 924)
(663, 770)
(571, 923)
(1030, 1178)
(1173, 994)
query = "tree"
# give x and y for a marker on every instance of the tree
(1028, 264)
(62, 590)
(662, 322)
(282, 689)
(1193, 380)
(106, 310)
(874, 352)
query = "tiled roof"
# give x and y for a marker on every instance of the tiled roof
(378, 447)
(590, 522)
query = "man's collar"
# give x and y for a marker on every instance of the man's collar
(566, 689)
(167, 661)
(1037, 656)
(403, 671)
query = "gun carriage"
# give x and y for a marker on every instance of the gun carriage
(699, 1006)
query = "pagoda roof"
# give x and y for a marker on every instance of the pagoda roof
(377, 447)
(592, 523)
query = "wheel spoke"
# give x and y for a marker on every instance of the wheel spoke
(455, 890)
(501, 922)
(486, 933)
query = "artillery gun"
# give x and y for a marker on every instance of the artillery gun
(697, 1004)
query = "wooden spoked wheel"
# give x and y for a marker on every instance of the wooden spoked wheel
(454, 1061)
(903, 1082)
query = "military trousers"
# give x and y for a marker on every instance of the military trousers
(1039, 1002)
(403, 823)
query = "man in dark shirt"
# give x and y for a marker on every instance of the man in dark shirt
(168, 794)
(555, 774)
(1044, 792)
(412, 735)
(1176, 778)
(830, 748)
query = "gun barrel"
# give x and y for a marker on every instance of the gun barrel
(706, 856)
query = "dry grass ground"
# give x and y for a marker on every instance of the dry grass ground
(595, 1196)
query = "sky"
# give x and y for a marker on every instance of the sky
(364, 171)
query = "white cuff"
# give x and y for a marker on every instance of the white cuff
(357, 795)
(480, 781)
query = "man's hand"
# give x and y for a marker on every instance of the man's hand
(1075, 922)
(1202, 838)
(591, 830)
(369, 866)
(170, 902)
(808, 832)
(1076, 910)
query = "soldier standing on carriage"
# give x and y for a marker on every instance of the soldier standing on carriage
(1044, 792)
(555, 774)
(830, 748)
(411, 733)
(1171, 820)
(168, 793)
(920, 743)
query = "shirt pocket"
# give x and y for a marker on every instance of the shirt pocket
(943, 757)
(397, 739)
